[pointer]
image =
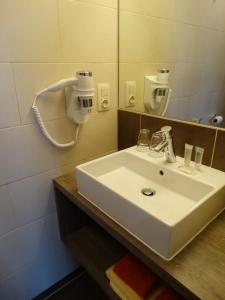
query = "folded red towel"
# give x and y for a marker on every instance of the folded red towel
(168, 294)
(136, 275)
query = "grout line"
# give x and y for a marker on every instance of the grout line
(214, 147)
(29, 223)
(95, 4)
(59, 29)
(169, 19)
(54, 169)
(16, 94)
(66, 284)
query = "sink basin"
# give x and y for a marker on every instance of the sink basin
(153, 199)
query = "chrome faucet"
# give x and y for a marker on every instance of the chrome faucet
(165, 144)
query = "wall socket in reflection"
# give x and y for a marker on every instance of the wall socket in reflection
(131, 93)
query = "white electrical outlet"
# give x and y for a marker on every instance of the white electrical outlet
(130, 93)
(103, 96)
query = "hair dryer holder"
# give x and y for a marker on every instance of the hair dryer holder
(156, 93)
(79, 92)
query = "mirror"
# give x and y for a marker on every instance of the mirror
(187, 37)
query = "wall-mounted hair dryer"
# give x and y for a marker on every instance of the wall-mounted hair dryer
(79, 92)
(157, 92)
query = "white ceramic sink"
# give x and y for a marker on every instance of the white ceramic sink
(180, 208)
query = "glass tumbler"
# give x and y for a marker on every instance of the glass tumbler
(143, 140)
(156, 139)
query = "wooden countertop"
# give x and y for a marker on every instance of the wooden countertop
(197, 272)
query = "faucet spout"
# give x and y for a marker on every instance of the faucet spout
(166, 144)
(169, 149)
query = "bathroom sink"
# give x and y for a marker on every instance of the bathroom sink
(153, 199)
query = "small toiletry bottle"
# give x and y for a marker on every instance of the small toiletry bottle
(198, 157)
(187, 155)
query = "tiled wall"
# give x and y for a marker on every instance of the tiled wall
(210, 138)
(40, 43)
(186, 36)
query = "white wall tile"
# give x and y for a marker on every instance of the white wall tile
(9, 113)
(46, 268)
(179, 108)
(30, 79)
(28, 241)
(163, 40)
(136, 38)
(157, 8)
(29, 31)
(99, 135)
(92, 40)
(31, 153)
(23, 152)
(189, 11)
(13, 287)
(7, 222)
(109, 3)
(32, 197)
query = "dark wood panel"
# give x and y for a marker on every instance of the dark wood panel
(198, 272)
(128, 129)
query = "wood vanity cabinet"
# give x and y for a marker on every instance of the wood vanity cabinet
(97, 242)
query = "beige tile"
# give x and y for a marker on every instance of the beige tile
(162, 8)
(159, 8)
(163, 41)
(109, 3)
(29, 31)
(31, 78)
(136, 40)
(31, 153)
(215, 14)
(9, 113)
(185, 42)
(92, 40)
(179, 109)
(24, 152)
(98, 136)
(190, 11)
(187, 79)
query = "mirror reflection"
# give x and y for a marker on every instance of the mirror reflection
(172, 58)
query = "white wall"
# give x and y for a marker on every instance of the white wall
(188, 37)
(41, 42)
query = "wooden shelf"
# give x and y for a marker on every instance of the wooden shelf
(96, 251)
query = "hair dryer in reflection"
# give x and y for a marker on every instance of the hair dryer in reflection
(79, 92)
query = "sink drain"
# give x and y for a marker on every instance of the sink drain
(148, 192)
